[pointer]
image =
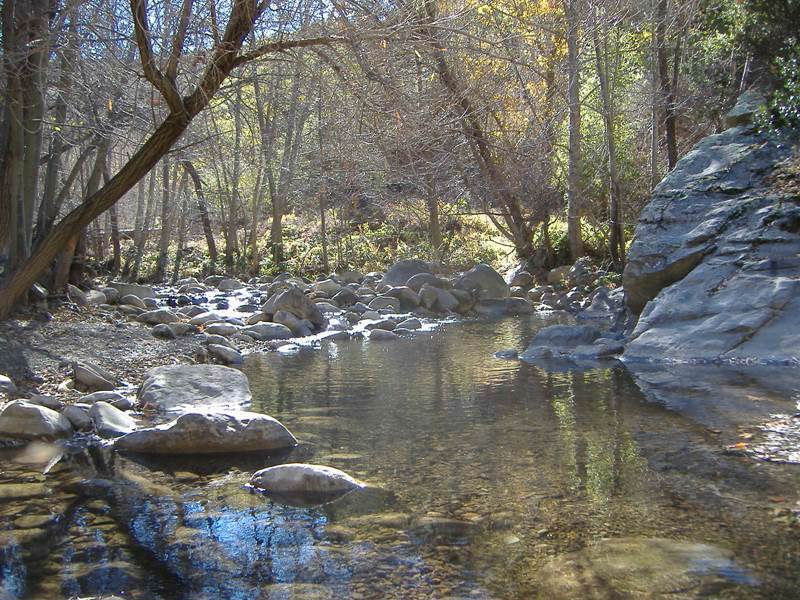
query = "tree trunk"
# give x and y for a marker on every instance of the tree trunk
(202, 207)
(138, 225)
(181, 230)
(666, 83)
(224, 58)
(149, 216)
(574, 159)
(616, 243)
(164, 235)
(522, 236)
(76, 250)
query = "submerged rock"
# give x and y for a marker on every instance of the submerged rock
(556, 340)
(640, 568)
(300, 478)
(206, 433)
(177, 387)
(23, 420)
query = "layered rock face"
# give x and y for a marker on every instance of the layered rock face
(714, 269)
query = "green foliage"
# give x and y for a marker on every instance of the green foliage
(783, 111)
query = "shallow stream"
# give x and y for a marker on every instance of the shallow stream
(488, 478)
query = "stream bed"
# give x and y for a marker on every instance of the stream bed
(487, 478)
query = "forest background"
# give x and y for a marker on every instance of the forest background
(154, 140)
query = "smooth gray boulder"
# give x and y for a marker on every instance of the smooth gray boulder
(484, 282)
(131, 300)
(189, 387)
(559, 340)
(76, 295)
(162, 331)
(437, 299)
(221, 329)
(409, 299)
(417, 281)
(268, 331)
(110, 397)
(229, 285)
(411, 324)
(90, 377)
(158, 316)
(225, 354)
(23, 420)
(95, 298)
(78, 416)
(300, 478)
(713, 271)
(403, 270)
(385, 303)
(132, 289)
(503, 307)
(109, 421)
(205, 317)
(298, 327)
(382, 335)
(327, 286)
(7, 386)
(207, 433)
(294, 301)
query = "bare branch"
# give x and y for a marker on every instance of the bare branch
(281, 46)
(151, 72)
(178, 40)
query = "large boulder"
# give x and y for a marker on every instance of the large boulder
(714, 267)
(294, 301)
(187, 387)
(24, 420)
(299, 478)
(132, 289)
(483, 281)
(206, 433)
(403, 270)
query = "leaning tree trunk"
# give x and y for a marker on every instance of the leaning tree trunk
(182, 109)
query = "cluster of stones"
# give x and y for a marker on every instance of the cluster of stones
(569, 287)
(380, 306)
(209, 401)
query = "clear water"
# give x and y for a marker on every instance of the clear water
(483, 474)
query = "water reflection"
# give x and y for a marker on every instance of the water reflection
(481, 471)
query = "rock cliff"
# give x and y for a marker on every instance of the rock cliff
(713, 272)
